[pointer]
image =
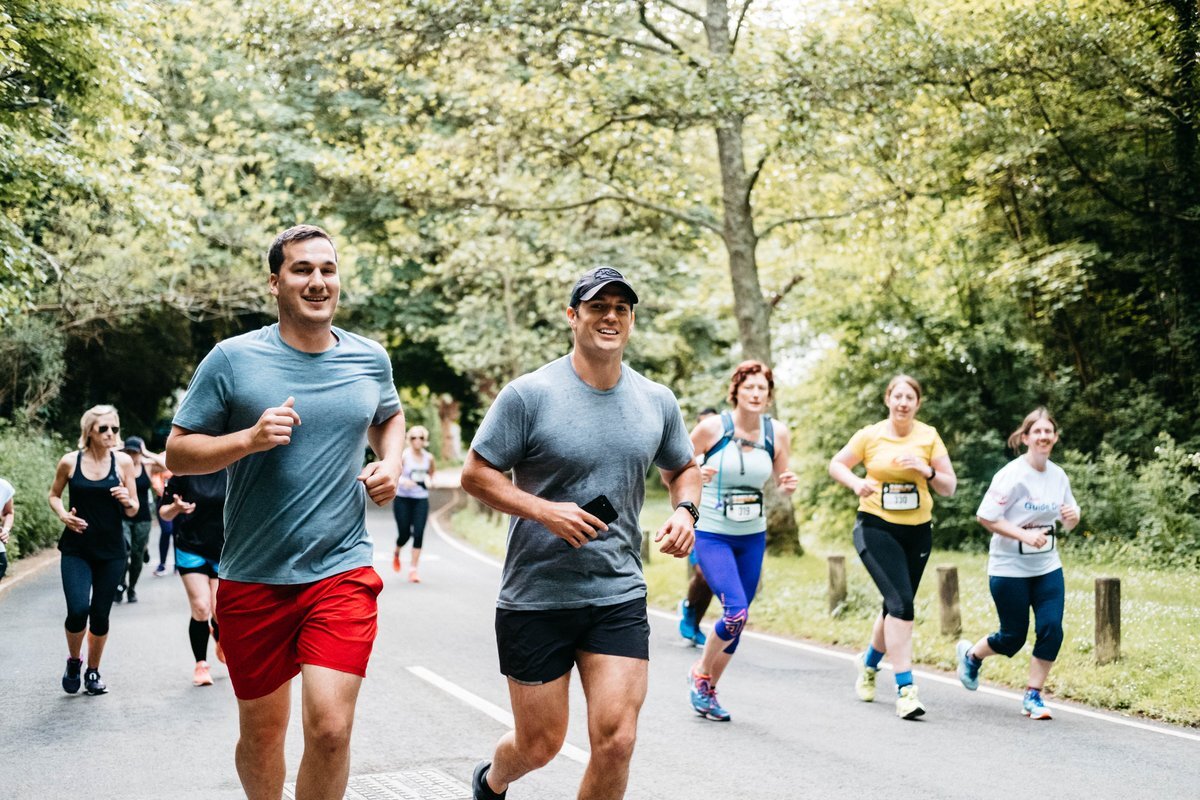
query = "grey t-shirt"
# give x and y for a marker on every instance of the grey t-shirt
(294, 513)
(566, 441)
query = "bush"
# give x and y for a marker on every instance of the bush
(1146, 511)
(27, 461)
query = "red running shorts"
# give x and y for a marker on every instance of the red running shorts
(268, 631)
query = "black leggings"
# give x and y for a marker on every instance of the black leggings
(895, 556)
(410, 513)
(90, 586)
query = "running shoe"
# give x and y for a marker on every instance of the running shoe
(968, 670)
(92, 683)
(414, 576)
(908, 706)
(71, 678)
(700, 690)
(160, 571)
(200, 675)
(479, 787)
(131, 595)
(699, 639)
(1033, 707)
(864, 684)
(687, 628)
(715, 711)
(396, 561)
(120, 595)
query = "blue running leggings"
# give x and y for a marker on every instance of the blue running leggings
(732, 566)
(1046, 595)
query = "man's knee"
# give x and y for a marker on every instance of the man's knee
(538, 748)
(615, 745)
(328, 735)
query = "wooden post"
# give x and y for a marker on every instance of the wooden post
(837, 582)
(1108, 620)
(951, 617)
(646, 537)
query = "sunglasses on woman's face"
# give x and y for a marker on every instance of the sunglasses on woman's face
(422, 438)
(107, 428)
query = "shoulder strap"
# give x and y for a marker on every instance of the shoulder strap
(768, 435)
(726, 436)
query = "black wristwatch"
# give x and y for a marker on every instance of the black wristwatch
(691, 509)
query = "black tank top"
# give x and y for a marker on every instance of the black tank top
(144, 495)
(104, 536)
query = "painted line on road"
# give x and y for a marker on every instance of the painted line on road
(491, 709)
(822, 651)
(435, 521)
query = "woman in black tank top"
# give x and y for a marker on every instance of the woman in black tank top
(102, 491)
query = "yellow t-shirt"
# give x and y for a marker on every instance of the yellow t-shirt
(879, 450)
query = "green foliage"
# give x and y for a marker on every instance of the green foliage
(27, 461)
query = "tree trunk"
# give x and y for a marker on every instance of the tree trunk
(1186, 183)
(741, 243)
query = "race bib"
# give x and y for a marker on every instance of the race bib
(900, 497)
(419, 476)
(742, 506)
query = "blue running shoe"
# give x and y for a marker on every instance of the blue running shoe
(687, 628)
(968, 670)
(700, 688)
(1033, 707)
(715, 711)
(71, 678)
(699, 639)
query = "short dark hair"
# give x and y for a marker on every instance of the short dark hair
(296, 233)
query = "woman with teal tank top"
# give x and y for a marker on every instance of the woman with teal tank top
(743, 450)
(102, 488)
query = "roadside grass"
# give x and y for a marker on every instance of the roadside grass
(1158, 675)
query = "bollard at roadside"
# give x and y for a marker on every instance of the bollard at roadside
(837, 583)
(949, 614)
(1108, 620)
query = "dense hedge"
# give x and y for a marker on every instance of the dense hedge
(27, 460)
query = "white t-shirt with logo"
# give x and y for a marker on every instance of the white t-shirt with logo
(1028, 499)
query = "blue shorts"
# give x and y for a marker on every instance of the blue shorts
(186, 563)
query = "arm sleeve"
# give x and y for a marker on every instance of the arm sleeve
(389, 400)
(675, 450)
(1000, 496)
(858, 443)
(938, 448)
(205, 407)
(503, 436)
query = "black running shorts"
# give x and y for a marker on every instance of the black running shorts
(539, 646)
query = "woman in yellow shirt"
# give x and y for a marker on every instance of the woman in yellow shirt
(904, 459)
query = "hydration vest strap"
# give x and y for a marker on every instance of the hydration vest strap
(727, 436)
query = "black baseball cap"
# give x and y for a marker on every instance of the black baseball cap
(594, 280)
(133, 444)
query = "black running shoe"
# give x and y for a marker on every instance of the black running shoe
(120, 595)
(131, 595)
(92, 683)
(479, 786)
(71, 679)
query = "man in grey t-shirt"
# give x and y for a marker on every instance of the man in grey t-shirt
(580, 428)
(298, 590)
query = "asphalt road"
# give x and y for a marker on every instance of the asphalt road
(434, 700)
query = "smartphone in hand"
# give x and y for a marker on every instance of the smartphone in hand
(601, 508)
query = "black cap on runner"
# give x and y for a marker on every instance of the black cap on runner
(594, 280)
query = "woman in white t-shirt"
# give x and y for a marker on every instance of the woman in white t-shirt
(411, 506)
(1028, 501)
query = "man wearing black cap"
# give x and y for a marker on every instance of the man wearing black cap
(137, 528)
(582, 431)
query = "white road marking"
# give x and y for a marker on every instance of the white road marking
(938, 677)
(492, 710)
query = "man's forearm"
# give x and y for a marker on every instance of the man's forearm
(492, 487)
(685, 485)
(387, 438)
(190, 453)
